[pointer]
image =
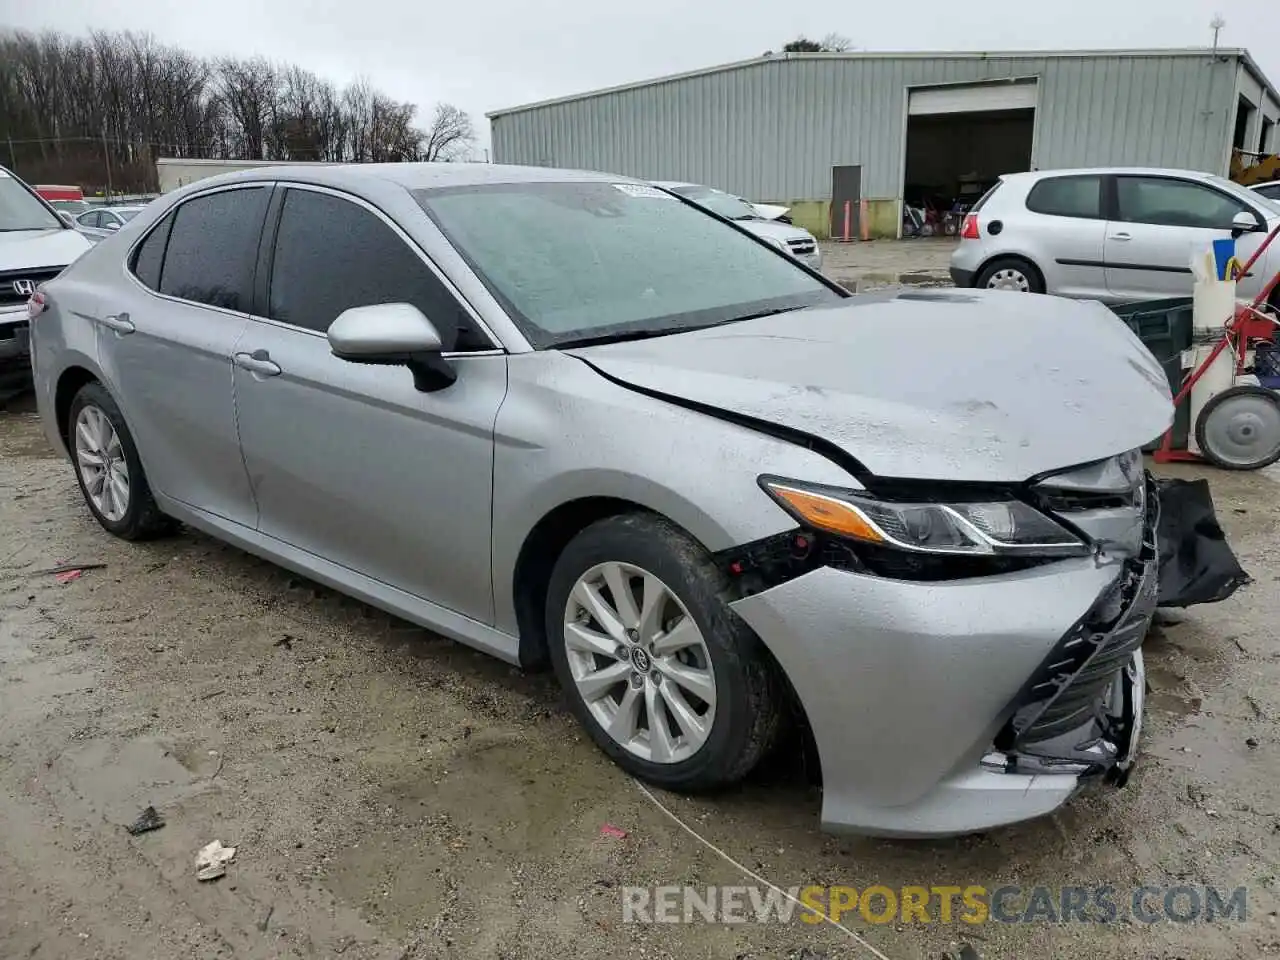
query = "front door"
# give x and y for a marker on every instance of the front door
(166, 350)
(1159, 224)
(350, 462)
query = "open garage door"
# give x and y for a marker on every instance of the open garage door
(960, 139)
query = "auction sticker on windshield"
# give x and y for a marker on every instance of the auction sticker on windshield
(643, 191)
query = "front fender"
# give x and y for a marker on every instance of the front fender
(565, 433)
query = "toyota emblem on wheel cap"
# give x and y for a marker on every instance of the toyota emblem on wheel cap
(24, 288)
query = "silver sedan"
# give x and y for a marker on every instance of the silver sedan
(102, 222)
(573, 419)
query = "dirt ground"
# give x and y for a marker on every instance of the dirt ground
(393, 795)
(877, 264)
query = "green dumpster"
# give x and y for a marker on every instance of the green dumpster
(1164, 327)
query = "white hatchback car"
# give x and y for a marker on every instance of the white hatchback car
(1109, 234)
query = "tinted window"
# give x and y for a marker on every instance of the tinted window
(586, 259)
(213, 247)
(89, 219)
(1174, 203)
(150, 254)
(1067, 197)
(332, 254)
(1271, 191)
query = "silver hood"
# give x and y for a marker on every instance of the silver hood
(30, 249)
(972, 386)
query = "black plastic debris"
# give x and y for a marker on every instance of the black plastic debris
(147, 821)
(1196, 562)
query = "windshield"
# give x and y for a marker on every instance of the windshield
(20, 209)
(717, 201)
(582, 260)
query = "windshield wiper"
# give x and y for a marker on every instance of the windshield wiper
(616, 337)
(764, 313)
(622, 337)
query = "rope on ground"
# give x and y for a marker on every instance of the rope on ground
(752, 874)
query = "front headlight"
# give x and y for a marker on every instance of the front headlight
(775, 242)
(1000, 527)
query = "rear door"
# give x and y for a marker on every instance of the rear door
(1158, 224)
(1063, 232)
(166, 341)
(349, 461)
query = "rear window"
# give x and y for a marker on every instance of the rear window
(1067, 197)
(213, 248)
(986, 196)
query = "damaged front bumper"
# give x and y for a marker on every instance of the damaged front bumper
(949, 707)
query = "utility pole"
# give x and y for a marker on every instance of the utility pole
(106, 158)
(13, 158)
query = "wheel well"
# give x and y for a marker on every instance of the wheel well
(69, 384)
(1009, 256)
(542, 547)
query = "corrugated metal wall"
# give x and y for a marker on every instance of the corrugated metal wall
(773, 129)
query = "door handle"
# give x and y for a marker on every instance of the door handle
(1120, 236)
(258, 362)
(120, 323)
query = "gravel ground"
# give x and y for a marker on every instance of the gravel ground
(393, 795)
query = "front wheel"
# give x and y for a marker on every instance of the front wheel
(664, 676)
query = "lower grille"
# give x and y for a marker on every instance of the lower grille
(802, 247)
(1069, 690)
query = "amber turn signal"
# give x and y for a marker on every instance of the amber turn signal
(827, 513)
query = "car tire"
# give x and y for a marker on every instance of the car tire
(1010, 273)
(1239, 428)
(109, 470)
(612, 693)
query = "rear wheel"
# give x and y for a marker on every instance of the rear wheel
(664, 676)
(109, 470)
(1010, 273)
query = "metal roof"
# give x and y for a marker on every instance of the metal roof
(1238, 52)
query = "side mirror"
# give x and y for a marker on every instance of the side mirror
(112, 225)
(1244, 222)
(66, 218)
(393, 334)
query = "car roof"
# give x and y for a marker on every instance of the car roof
(411, 176)
(1138, 171)
(1269, 183)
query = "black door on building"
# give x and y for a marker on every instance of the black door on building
(846, 188)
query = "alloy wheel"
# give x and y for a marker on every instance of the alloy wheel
(640, 662)
(104, 470)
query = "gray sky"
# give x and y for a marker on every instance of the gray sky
(486, 54)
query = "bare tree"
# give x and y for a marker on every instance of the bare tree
(73, 107)
(450, 135)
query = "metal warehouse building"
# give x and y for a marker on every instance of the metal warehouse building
(814, 130)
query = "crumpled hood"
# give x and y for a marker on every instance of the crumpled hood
(25, 249)
(971, 386)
